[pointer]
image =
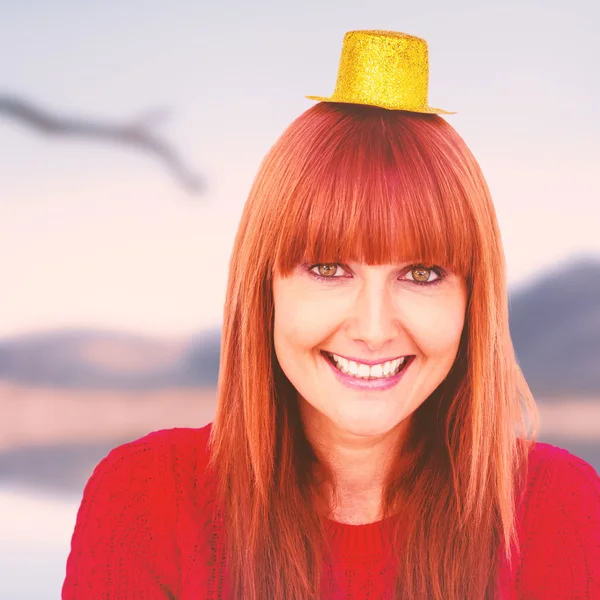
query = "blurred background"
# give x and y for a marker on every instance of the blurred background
(130, 133)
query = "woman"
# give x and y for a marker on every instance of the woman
(371, 439)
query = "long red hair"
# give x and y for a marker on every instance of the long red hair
(351, 183)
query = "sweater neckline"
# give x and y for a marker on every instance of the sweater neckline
(365, 539)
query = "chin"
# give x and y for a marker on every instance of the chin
(361, 426)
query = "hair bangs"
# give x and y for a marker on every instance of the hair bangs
(378, 201)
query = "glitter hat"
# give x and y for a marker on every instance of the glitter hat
(386, 69)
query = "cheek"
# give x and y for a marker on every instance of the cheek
(437, 327)
(300, 322)
(295, 336)
(289, 334)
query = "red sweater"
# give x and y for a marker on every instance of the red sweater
(143, 531)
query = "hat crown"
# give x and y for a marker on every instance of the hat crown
(384, 68)
(381, 68)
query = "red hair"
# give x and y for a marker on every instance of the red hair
(351, 183)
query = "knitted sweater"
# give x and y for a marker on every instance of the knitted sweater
(144, 531)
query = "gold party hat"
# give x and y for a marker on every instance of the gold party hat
(386, 69)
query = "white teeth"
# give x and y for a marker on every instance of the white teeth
(363, 371)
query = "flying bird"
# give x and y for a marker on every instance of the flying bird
(137, 133)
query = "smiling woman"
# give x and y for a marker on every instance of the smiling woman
(357, 207)
(371, 437)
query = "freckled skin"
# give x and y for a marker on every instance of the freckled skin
(368, 312)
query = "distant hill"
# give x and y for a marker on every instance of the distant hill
(93, 359)
(555, 326)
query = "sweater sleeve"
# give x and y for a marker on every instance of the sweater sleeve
(563, 555)
(122, 541)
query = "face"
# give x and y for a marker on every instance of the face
(366, 314)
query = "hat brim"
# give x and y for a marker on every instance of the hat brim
(426, 109)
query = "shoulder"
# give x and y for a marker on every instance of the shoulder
(152, 475)
(564, 487)
(560, 524)
(568, 477)
(136, 512)
(159, 459)
(184, 439)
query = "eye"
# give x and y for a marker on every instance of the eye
(422, 274)
(325, 270)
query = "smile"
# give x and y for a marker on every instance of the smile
(359, 376)
(363, 371)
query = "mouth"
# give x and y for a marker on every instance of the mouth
(382, 371)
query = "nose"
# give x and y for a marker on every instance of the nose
(374, 321)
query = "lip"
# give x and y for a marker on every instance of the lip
(368, 362)
(368, 384)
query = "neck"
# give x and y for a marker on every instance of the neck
(360, 464)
